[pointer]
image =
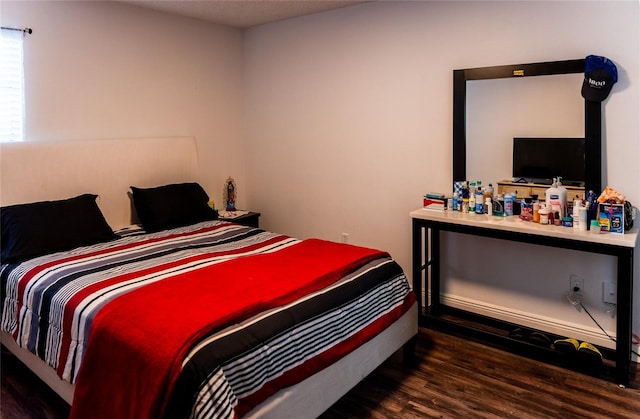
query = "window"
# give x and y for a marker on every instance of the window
(11, 86)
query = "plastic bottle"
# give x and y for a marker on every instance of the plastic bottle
(543, 214)
(479, 202)
(454, 202)
(583, 219)
(592, 207)
(488, 191)
(508, 204)
(556, 198)
(576, 213)
(526, 209)
(489, 206)
(472, 197)
(465, 190)
(498, 205)
(464, 206)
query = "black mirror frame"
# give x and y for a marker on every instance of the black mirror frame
(592, 114)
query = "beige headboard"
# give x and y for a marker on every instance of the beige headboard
(41, 171)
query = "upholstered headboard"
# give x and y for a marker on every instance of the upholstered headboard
(41, 171)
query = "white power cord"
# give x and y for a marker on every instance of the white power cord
(575, 301)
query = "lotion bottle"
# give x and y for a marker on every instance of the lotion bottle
(556, 198)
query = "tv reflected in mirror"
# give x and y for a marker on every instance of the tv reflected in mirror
(539, 160)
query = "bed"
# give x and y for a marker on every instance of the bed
(191, 318)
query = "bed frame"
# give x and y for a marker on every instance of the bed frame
(37, 171)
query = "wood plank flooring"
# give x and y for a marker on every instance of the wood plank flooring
(453, 378)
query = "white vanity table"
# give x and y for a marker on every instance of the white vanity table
(426, 228)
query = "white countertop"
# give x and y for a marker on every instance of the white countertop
(515, 224)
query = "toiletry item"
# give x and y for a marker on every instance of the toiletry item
(582, 219)
(544, 215)
(567, 221)
(508, 204)
(488, 191)
(536, 215)
(465, 190)
(516, 205)
(556, 197)
(498, 206)
(576, 213)
(595, 227)
(479, 202)
(454, 202)
(457, 187)
(557, 219)
(489, 205)
(472, 197)
(526, 209)
(592, 207)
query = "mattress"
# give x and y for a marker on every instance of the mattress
(55, 305)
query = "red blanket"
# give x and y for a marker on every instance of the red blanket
(137, 343)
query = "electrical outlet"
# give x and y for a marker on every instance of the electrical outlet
(344, 238)
(576, 284)
(609, 292)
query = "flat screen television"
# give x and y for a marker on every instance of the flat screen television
(539, 160)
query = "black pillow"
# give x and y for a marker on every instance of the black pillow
(171, 206)
(35, 229)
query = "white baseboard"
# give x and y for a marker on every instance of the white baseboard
(533, 320)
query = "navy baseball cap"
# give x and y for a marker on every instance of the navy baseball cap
(600, 74)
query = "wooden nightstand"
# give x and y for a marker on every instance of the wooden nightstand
(252, 219)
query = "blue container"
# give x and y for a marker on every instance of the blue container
(509, 200)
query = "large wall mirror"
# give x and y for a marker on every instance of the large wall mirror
(492, 105)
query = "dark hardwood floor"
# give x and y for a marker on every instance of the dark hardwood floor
(453, 378)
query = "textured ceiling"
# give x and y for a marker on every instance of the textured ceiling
(241, 13)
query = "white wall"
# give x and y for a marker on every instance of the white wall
(109, 70)
(336, 122)
(349, 123)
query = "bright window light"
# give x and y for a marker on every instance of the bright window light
(11, 86)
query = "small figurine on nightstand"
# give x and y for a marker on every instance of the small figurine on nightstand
(230, 194)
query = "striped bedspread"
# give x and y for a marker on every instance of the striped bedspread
(51, 303)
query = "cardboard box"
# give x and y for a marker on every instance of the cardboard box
(611, 217)
(434, 204)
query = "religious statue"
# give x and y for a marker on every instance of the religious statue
(230, 192)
